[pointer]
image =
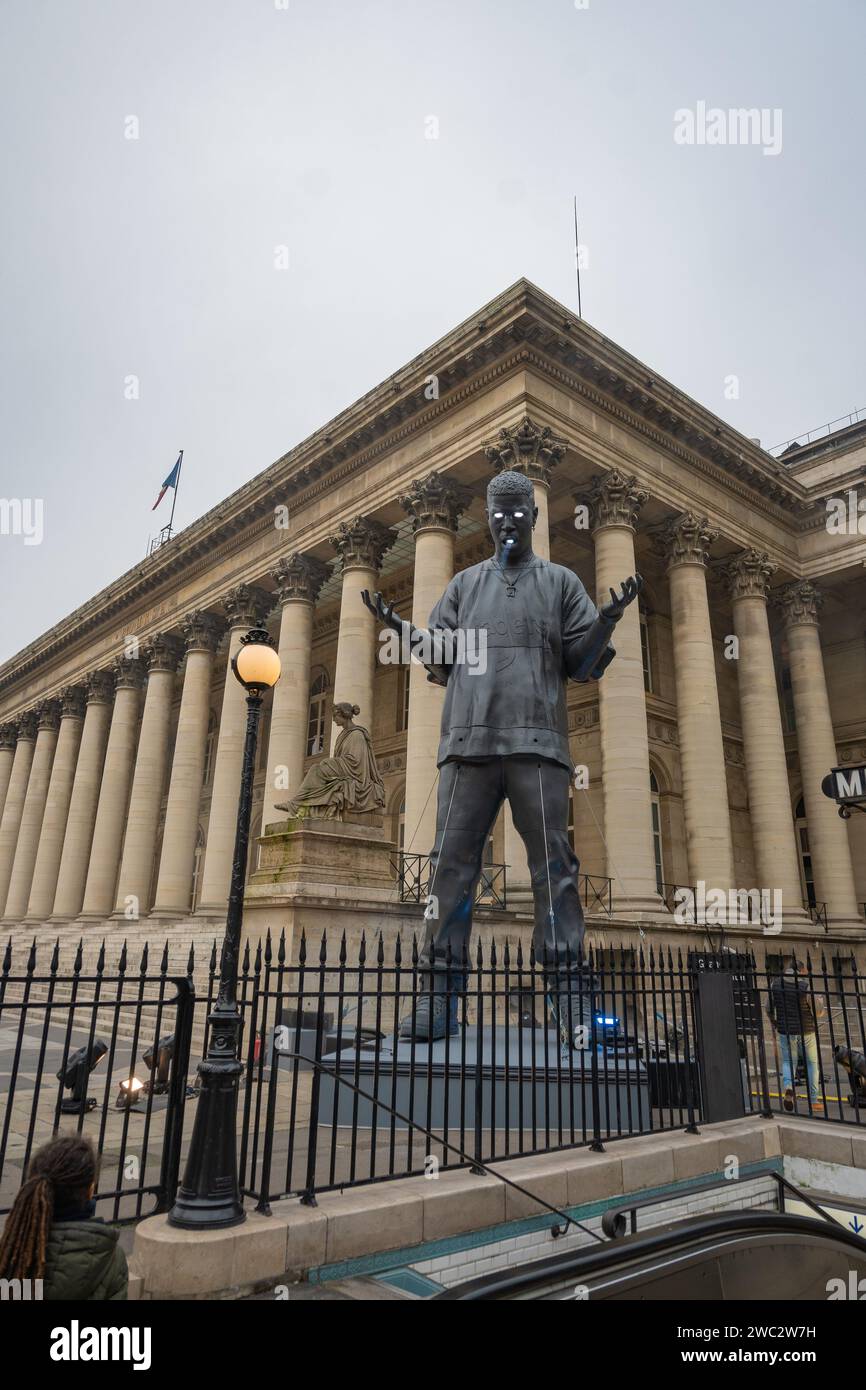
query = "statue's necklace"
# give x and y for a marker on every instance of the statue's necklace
(511, 584)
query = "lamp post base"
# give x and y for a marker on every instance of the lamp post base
(209, 1196)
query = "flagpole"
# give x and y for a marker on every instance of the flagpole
(174, 499)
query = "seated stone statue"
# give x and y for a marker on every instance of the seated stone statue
(347, 781)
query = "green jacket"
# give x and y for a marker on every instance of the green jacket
(84, 1260)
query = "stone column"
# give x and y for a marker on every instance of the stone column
(161, 656)
(616, 501)
(298, 579)
(13, 806)
(54, 821)
(202, 632)
(361, 545)
(685, 541)
(747, 575)
(246, 607)
(77, 840)
(21, 878)
(8, 735)
(534, 450)
(828, 833)
(434, 503)
(111, 810)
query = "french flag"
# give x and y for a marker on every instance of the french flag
(171, 481)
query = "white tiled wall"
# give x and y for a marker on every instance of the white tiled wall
(536, 1245)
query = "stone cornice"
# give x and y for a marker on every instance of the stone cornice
(520, 327)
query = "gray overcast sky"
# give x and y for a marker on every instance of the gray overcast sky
(305, 126)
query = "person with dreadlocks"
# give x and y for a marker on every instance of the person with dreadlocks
(505, 735)
(52, 1234)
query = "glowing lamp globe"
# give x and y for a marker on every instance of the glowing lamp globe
(257, 665)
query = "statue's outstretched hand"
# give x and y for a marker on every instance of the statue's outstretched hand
(382, 610)
(614, 610)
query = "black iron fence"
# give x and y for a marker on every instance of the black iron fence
(73, 1046)
(532, 1058)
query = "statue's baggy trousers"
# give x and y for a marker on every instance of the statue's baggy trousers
(469, 797)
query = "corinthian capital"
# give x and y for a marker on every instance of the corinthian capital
(247, 606)
(435, 501)
(72, 702)
(747, 574)
(27, 724)
(202, 630)
(361, 544)
(129, 673)
(614, 499)
(685, 539)
(100, 688)
(48, 715)
(299, 577)
(526, 448)
(163, 652)
(8, 735)
(800, 602)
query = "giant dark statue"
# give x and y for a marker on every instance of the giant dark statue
(505, 733)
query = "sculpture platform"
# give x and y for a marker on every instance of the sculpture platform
(525, 1079)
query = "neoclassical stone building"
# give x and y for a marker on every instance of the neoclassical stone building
(738, 684)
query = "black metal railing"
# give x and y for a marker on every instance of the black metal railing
(414, 876)
(596, 893)
(71, 1041)
(527, 1064)
(536, 1057)
(818, 913)
(801, 1034)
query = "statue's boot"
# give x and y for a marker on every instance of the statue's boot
(570, 999)
(435, 1017)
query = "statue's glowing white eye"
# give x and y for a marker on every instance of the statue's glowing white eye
(518, 516)
(497, 516)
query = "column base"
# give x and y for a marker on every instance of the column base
(168, 914)
(215, 912)
(645, 908)
(841, 926)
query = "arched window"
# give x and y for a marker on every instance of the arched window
(197, 863)
(319, 687)
(656, 813)
(802, 833)
(400, 831)
(210, 748)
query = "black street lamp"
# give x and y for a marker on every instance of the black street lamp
(209, 1195)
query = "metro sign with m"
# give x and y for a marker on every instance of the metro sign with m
(846, 784)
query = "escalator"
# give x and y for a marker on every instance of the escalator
(718, 1257)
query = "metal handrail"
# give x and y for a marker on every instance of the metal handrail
(853, 418)
(613, 1223)
(475, 1164)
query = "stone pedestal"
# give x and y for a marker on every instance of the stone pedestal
(318, 875)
